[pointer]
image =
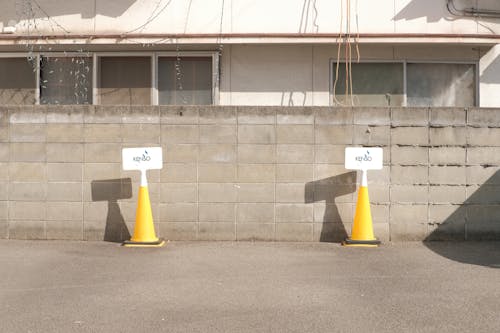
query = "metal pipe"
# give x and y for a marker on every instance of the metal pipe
(471, 12)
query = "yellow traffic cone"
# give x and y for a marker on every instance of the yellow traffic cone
(144, 230)
(362, 228)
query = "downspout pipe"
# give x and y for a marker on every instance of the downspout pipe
(471, 12)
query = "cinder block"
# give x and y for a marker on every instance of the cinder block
(25, 210)
(382, 231)
(256, 153)
(217, 231)
(295, 115)
(448, 116)
(218, 134)
(217, 192)
(4, 132)
(178, 192)
(65, 133)
(180, 153)
(27, 132)
(255, 213)
(448, 175)
(178, 231)
(217, 212)
(27, 191)
(328, 154)
(178, 212)
(295, 153)
(482, 214)
(95, 211)
(293, 193)
(448, 136)
(96, 171)
(333, 212)
(4, 171)
(256, 134)
(101, 152)
(4, 190)
(66, 230)
(409, 175)
(141, 114)
(380, 177)
(408, 231)
(379, 193)
(371, 135)
(483, 155)
(447, 156)
(441, 214)
(263, 192)
(483, 175)
(64, 191)
(408, 214)
(333, 173)
(70, 172)
(334, 116)
(141, 134)
(102, 133)
(483, 117)
(217, 172)
(483, 194)
(294, 232)
(256, 173)
(27, 229)
(27, 152)
(410, 136)
(217, 153)
(329, 232)
(65, 152)
(104, 114)
(65, 211)
(333, 134)
(179, 115)
(447, 194)
(4, 229)
(255, 232)
(66, 114)
(371, 116)
(483, 231)
(217, 115)
(286, 213)
(297, 134)
(179, 173)
(27, 172)
(180, 133)
(409, 194)
(93, 230)
(257, 115)
(294, 173)
(4, 152)
(483, 136)
(4, 211)
(27, 114)
(409, 155)
(332, 192)
(380, 213)
(409, 116)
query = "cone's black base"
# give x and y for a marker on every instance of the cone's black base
(369, 243)
(160, 242)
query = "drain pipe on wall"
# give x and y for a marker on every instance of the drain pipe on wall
(471, 12)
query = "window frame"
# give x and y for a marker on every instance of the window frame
(214, 55)
(405, 62)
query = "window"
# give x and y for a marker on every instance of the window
(125, 80)
(186, 80)
(407, 84)
(65, 80)
(17, 81)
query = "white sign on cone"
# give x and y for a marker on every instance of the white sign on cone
(363, 158)
(146, 158)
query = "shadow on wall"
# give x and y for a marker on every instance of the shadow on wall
(328, 189)
(29, 10)
(112, 190)
(423, 8)
(477, 219)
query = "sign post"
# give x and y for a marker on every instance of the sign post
(364, 159)
(143, 159)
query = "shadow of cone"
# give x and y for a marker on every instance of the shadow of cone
(362, 228)
(144, 231)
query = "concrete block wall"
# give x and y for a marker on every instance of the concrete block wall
(248, 173)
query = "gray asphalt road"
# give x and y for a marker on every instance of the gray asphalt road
(249, 287)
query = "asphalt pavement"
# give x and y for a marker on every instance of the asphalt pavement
(57, 286)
